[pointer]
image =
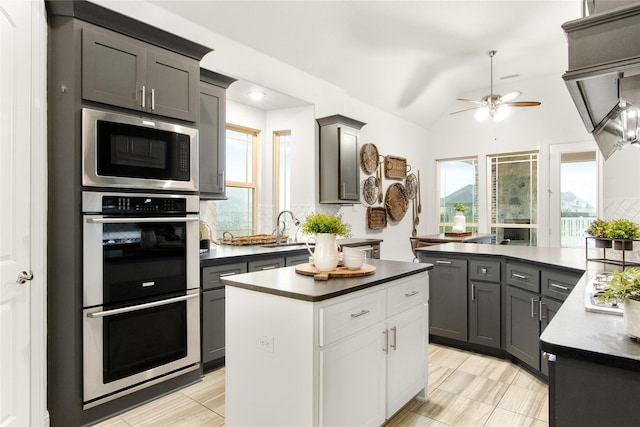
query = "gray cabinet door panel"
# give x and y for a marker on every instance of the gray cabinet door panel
(113, 69)
(523, 326)
(211, 275)
(173, 82)
(265, 264)
(296, 259)
(213, 342)
(212, 141)
(549, 309)
(348, 165)
(484, 314)
(523, 276)
(557, 283)
(448, 298)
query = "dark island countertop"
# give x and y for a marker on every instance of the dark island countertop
(573, 332)
(228, 253)
(287, 283)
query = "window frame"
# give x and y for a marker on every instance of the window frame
(276, 168)
(470, 225)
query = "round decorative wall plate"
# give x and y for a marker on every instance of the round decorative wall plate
(369, 158)
(396, 201)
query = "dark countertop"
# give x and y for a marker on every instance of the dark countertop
(287, 283)
(219, 254)
(573, 332)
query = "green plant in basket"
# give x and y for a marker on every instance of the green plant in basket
(598, 228)
(326, 223)
(622, 229)
(623, 284)
(460, 207)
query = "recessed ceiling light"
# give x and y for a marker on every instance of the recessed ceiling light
(256, 96)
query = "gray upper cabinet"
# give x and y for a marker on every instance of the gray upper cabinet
(125, 72)
(212, 127)
(339, 163)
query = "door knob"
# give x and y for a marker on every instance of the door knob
(23, 276)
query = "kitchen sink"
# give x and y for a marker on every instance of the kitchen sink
(595, 287)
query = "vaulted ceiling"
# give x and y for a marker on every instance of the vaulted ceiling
(409, 58)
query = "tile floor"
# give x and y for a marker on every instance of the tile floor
(465, 389)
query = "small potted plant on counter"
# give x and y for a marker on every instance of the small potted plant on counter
(323, 229)
(598, 229)
(624, 287)
(622, 231)
(459, 221)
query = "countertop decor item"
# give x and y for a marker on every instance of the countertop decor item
(369, 158)
(623, 231)
(396, 201)
(339, 272)
(254, 239)
(624, 287)
(323, 229)
(459, 220)
(598, 229)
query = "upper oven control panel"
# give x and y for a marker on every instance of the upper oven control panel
(138, 205)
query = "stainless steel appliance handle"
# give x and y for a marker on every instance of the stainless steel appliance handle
(137, 220)
(140, 306)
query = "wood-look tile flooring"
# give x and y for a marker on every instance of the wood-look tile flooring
(465, 389)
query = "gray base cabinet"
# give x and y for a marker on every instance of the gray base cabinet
(523, 326)
(212, 325)
(484, 314)
(448, 298)
(125, 72)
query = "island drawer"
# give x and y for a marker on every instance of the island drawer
(487, 271)
(523, 276)
(409, 292)
(347, 317)
(266, 264)
(558, 284)
(211, 275)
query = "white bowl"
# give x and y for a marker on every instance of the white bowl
(354, 262)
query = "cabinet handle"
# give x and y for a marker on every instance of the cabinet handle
(473, 292)
(483, 271)
(394, 346)
(386, 341)
(343, 190)
(553, 285)
(153, 99)
(228, 273)
(533, 300)
(412, 293)
(361, 313)
(540, 304)
(518, 276)
(143, 96)
(269, 267)
(443, 262)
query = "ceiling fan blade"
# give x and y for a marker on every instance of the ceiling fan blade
(466, 109)
(522, 104)
(509, 96)
(473, 101)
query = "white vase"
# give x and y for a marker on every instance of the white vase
(631, 316)
(459, 223)
(325, 252)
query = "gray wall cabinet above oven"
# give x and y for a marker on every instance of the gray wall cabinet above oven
(125, 72)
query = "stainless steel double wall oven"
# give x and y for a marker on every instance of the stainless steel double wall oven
(141, 303)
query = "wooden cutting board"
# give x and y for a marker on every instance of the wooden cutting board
(341, 272)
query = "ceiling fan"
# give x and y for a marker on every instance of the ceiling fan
(495, 106)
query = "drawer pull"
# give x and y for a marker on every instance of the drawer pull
(269, 267)
(361, 313)
(228, 273)
(473, 292)
(518, 276)
(386, 341)
(483, 271)
(412, 293)
(443, 262)
(394, 346)
(533, 314)
(553, 285)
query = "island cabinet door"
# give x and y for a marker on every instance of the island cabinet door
(448, 298)
(406, 360)
(352, 380)
(523, 326)
(484, 313)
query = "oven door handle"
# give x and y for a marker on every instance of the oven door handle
(140, 306)
(137, 220)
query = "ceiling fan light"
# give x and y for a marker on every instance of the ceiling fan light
(502, 112)
(482, 114)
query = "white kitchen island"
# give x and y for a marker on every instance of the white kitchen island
(347, 352)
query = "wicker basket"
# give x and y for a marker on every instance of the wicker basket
(395, 167)
(255, 239)
(376, 218)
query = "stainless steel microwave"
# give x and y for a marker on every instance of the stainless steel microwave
(128, 151)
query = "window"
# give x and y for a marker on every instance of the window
(237, 214)
(458, 183)
(514, 198)
(282, 170)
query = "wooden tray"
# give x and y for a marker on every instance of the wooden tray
(454, 234)
(255, 239)
(342, 272)
(376, 218)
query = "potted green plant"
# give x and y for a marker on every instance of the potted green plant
(622, 231)
(459, 220)
(324, 228)
(598, 229)
(625, 286)
(460, 207)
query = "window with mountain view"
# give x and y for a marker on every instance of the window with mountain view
(578, 201)
(457, 183)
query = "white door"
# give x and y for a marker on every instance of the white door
(18, 94)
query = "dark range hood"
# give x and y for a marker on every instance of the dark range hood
(604, 74)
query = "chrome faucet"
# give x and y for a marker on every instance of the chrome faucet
(280, 231)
